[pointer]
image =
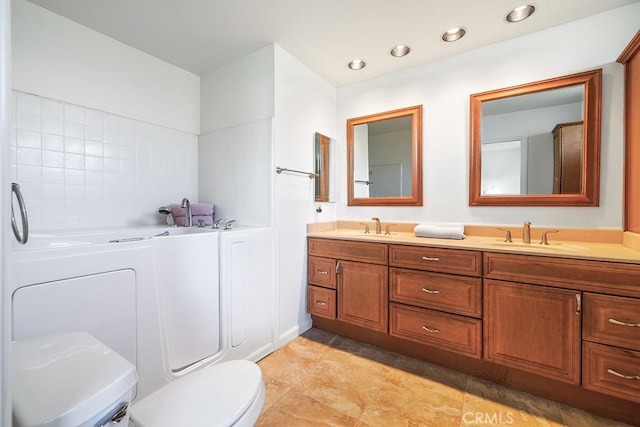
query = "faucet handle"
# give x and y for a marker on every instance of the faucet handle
(216, 223)
(366, 227)
(543, 240)
(229, 223)
(386, 230)
(507, 238)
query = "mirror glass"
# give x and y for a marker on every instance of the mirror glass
(537, 144)
(384, 158)
(323, 160)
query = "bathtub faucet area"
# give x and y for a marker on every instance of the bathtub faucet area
(187, 215)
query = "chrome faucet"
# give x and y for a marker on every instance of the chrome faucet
(187, 216)
(228, 225)
(378, 226)
(216, 223)
(526, 232)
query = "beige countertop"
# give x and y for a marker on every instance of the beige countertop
(590, 244)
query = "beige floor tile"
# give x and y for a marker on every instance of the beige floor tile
(295, 409)
(440, 380)
(576, 418)
(274, 391)
(490, 401)
(345, 383)
(406, 399)
(320, 379)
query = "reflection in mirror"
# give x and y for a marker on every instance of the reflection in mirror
(518, 146)
(537, 144)
(384, 158)
(324, 168)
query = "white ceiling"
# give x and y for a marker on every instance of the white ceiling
(200, 35)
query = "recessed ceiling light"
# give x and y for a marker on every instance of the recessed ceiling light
(520, 13)
(400, 50)
(453, 34)
(357, 64)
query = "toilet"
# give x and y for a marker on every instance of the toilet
(72, 379)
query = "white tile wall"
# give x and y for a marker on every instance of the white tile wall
(236, 172)
(84, 168)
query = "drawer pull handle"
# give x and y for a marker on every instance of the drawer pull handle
(321, 303)
(617, 322)
(322, 272)
(626, 377)
(429, 291)
(433, 331)
(426, 258)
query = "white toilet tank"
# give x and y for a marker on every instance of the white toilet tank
(70, 380)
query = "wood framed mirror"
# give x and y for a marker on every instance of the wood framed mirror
(384, 158)
(537, 144)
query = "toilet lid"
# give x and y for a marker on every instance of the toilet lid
(214, 396)
(66, 379)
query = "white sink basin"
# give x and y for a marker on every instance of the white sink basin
(551, 247)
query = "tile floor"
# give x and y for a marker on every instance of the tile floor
(321, 379)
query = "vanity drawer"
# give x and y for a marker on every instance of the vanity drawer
(588, 276)
(374, 253)
(456, 294)
(322, 272)
(440, 260)
(321, 302)
(611, 370)
(449, 332)
(612, 320)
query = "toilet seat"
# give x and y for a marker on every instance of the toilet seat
(225, 394)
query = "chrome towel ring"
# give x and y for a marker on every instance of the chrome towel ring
(22, 239)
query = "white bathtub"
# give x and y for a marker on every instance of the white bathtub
(152, 297)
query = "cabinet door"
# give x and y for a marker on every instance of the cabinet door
(363, 295)
(533, 328)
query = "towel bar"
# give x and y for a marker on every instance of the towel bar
(311, 175)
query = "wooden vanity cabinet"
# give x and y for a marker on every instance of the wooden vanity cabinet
(564, 329)
(611, 348)
(359, 274)
(533, 328)
(433, 300)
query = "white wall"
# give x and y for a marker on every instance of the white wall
(60, 59)
(5, 232)
(84, 168)
(304, 104)
(104, 134)
(235, 159)
(443, 88)
(239, 92)
(260, 112)
(236, 173)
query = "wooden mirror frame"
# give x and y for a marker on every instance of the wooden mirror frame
(592, 81)
(416, 158)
